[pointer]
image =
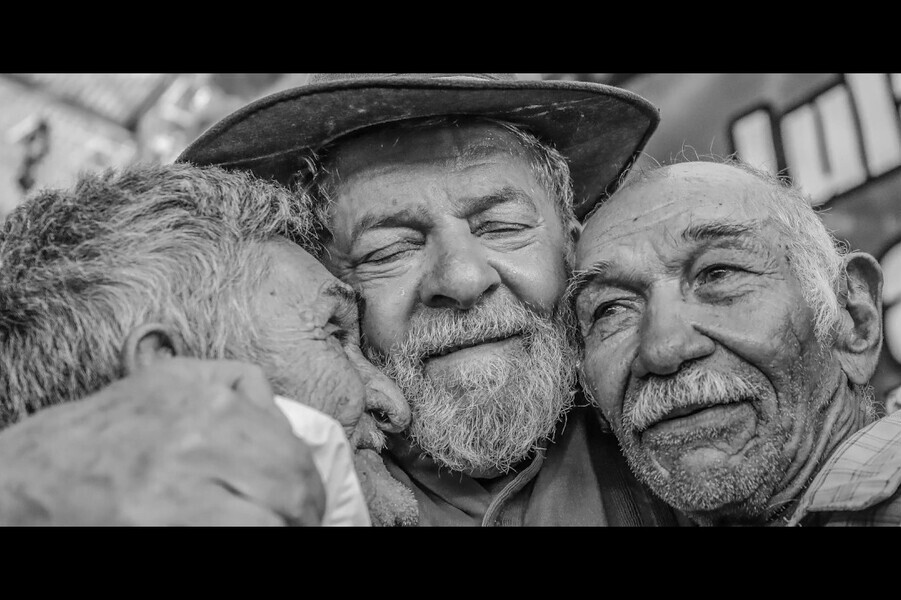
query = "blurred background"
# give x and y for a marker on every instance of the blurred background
(837, 135)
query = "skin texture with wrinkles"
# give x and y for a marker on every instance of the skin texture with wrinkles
(197, 429)
(302, 320)
(314, 356)
(130, 278)
(184, 442)
(442, 221)
(691, 280)
(401, 268)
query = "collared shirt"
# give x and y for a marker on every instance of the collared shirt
(333, 457)
(859, 484)
(580, 478)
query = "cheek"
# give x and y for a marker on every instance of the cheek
(537, 276)
(774, 337)
(607, 380)
(387, 311)
(320, 375)
(337, 390)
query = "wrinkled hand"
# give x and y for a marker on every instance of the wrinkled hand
(183, 442)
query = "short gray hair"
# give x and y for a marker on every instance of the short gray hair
(816, 256)
(81, 267)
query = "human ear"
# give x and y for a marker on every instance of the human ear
(893, 400)
(859, 337)
(147, 344)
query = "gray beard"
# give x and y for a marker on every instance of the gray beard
(721, 491)
(489, 414)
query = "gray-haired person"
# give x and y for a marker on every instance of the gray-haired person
(137, 274)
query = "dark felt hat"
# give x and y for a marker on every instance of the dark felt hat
(599, 128)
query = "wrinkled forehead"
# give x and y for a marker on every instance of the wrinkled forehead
(387, 149)
(673, 200)
(295, 277)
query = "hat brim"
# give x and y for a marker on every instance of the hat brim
(600, 129)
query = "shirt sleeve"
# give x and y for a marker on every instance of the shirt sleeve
(345, 504)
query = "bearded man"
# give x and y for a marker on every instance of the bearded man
(451, 203)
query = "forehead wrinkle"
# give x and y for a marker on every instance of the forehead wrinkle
(612, 204)
(490, 146)
(510, 195)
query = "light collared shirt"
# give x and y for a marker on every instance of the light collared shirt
(345, 504)
(860, 484)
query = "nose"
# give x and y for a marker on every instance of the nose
(386, 404)
(668, 337)
(384, 401)
(459, 274)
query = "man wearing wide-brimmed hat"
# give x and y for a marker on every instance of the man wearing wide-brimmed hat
(451, 202)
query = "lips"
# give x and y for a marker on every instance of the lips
(468, 344)
(696, 415)
(684, 411)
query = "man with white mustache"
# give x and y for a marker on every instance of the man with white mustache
(729, 341)
(484, 415)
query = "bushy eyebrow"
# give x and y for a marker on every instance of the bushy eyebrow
(505, 195)
(407, 217)
(350, 304)
(718, 230)
(419, 218)
(342, 293)
(582, 278)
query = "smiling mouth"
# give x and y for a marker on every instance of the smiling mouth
(685, 411)
(469, 344)
(696, 414)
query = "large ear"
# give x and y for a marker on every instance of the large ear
(859, 338)
(147, 344)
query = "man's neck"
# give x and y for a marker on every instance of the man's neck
(841, 416)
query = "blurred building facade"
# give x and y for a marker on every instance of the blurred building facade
(837, 135)
(53, 125)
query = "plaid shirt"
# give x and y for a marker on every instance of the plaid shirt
(859, 484)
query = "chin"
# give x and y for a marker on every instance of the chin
(711, 491)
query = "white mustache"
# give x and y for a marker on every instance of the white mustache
(692, 387)
(442, 332)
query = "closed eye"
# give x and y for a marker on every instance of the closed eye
(498, 228)
(391, 253)
(715, 273)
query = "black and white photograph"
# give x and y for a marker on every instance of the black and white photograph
(532, 300)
